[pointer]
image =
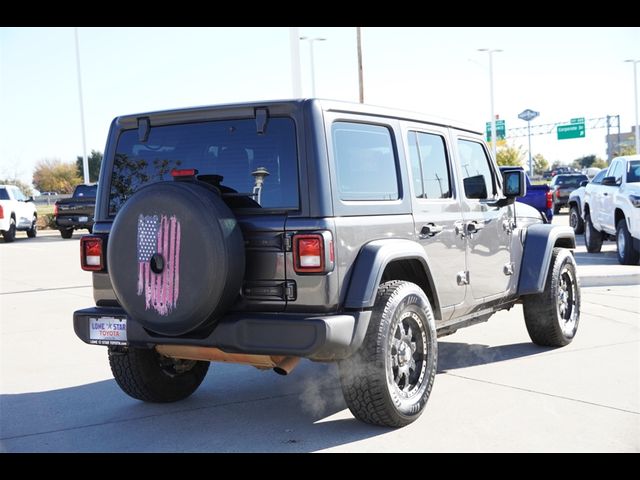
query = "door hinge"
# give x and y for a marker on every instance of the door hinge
(287, 242)
(463, 278)
(508, 268)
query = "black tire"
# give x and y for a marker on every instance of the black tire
(387, 382)
(33, 231)
(575, 220)
(556, 209)
(10, 235)
(627, 255)
(90, 230)
(66, 233)
(192, 252)
(592, 237)
(552, 316)
(146, 375)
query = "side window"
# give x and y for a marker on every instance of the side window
(476, 170)
(431, 178)
(365, 162)
(4, 195)
(598, 178)
(17, 193)
(617, 172)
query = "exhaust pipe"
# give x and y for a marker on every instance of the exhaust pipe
(281, 365)
(286, 365)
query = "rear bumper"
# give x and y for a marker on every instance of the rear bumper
(73, 222)
(328, 337)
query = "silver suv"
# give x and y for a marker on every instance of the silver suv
(262, 233)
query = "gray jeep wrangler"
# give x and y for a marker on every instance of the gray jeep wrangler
(262, 233)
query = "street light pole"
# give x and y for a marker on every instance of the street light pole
(635, 95)
(360, 74)
(85, 159)
(313, 75)
(491, 51)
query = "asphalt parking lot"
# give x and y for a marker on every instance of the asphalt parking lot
(495, 391)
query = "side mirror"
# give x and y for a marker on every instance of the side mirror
(610, 181)
(514, 182)
(583, 183)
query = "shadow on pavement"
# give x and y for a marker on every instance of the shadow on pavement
(237, 409)
(452, 355)
(41, 239)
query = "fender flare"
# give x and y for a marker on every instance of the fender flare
(538, 248)
(371, 263)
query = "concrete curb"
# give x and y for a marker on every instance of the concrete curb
(609, 280)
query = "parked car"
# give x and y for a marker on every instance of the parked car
(262, 233)
(561, 187)
(612, 209)
(538, 196)
(76, 212)
(576, 203)
(17, 212)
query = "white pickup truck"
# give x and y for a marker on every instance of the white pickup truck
(17, 212)
(612, 209)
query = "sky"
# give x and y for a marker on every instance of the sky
(562, 73)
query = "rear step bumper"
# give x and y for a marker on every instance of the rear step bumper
(328, 337)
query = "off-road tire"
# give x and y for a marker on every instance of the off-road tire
(146, 375)
(552, 316)
(592, 237)
(575, 220)
(33, 231)
(10, 235)
(372, 386)
(627, 255)
(66, 233)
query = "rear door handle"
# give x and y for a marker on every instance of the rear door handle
(474, 227)
(430, 230)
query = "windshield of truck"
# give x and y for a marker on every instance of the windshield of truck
(231, 155)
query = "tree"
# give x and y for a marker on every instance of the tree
(509, 155)
(584, 162)
(26, 189)
(55, 176)
(540, 164)
(95, 159)
(599, 163)
(625, 150)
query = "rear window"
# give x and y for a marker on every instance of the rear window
(571, 181)
(4, 195)
(366, 162)
(230, 154)
(85, 191)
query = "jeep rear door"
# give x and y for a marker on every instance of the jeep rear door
(437, 211)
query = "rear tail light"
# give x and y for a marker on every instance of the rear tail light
(313, 253)
(55, 210)
(1, 212)
(549, 199)
(558, 193)
(91, 253)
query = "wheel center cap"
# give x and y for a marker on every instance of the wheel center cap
(404, 354)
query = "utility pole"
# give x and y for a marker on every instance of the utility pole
(635, 96)
(360, 73)
(494, 140)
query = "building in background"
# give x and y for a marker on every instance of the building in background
(615, 142)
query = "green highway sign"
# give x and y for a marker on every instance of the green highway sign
(577, 120)
(573, 130)
(501, 130)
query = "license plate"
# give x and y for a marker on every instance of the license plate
(108, 331)
(83, 219)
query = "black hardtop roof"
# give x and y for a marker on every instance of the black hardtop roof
(247, 109)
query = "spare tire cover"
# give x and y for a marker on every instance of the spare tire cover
(175, 257)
